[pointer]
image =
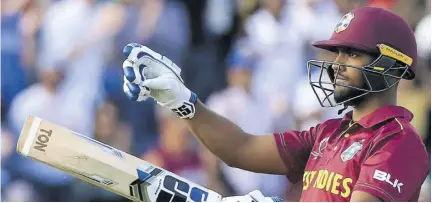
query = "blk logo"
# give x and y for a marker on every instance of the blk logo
(386, 177)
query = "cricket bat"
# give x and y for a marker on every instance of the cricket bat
(105, 166)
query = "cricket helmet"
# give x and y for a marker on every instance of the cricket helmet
(378, 32)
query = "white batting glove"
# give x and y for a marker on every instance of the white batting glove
(149, 74)
(254, 196)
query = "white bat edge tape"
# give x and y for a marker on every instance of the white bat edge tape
(32, 135)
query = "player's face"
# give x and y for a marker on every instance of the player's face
(346, 75)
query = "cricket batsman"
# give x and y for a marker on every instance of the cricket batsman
(371, 154)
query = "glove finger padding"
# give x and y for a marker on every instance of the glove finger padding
(135, 92)
(141, 57)
(132, 73)
(134, 51)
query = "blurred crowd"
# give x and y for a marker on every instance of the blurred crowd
(246, 59)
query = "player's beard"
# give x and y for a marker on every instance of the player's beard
(347, 93)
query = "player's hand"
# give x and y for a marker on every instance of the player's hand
(149, 74)
(254, 196)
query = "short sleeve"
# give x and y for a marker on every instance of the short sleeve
(294, 148)
(395, 168)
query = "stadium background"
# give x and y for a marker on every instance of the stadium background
(61, 60)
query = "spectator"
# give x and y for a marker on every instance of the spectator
(242, 107)
(82, 56)
(19, 22)
(214, 24)
(423, 34)
(175, 150)
(46, 102)
(7, 140)
(346, 6)
(158, 20)
(111, 131)
(278, 37)
(423, 122)
(423, 37)
(417, 100)
(13, 189)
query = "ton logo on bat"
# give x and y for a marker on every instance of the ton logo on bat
(42, 139)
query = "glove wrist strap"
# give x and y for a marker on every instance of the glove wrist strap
(187, 109)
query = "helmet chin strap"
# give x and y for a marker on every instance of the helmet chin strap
(340, 111)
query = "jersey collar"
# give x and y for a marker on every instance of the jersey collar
(380, 115)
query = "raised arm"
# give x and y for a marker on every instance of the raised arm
(149, 74)
(233, 146)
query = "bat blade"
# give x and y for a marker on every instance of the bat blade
(106, 166)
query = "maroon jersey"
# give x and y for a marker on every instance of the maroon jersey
(381, 154)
